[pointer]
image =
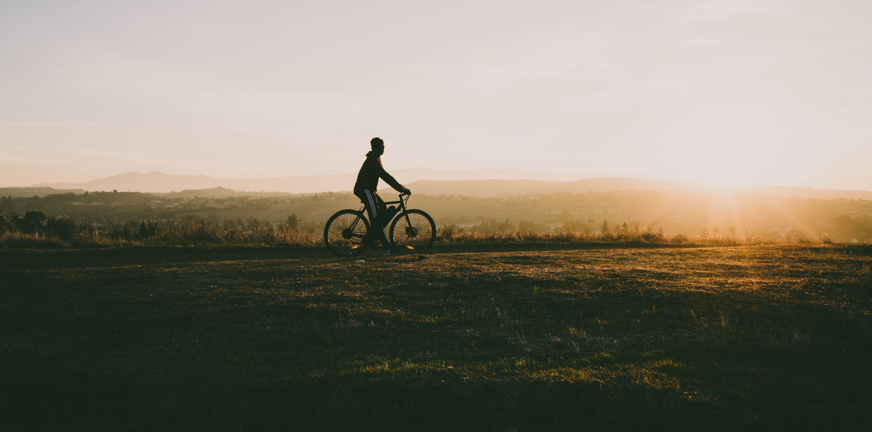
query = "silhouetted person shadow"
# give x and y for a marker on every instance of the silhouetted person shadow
(365, 189)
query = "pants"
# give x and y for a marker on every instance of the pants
(375, 208)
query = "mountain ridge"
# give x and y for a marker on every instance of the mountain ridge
(495, 188)
(158, 182)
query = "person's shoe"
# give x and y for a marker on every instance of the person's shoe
(390, 252)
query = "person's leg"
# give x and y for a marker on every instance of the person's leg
(382, 210)
(375, 207)
(370, 235)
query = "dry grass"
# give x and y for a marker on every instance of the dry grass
(599, 338)
(190, 233)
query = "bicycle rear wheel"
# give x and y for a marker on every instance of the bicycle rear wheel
(344, 233)
(413, 231)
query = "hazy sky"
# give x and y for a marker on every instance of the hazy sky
(732, 91)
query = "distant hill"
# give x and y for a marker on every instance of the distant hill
(220, 192)
(491, 188)
(420, 180)
(482, 188)
(416, 174)
(158, 182)
(495, 188)
(36, 191)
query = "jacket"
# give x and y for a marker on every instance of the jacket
(370, 172)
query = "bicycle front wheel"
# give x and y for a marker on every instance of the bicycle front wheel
(344, 233)
(413, 231)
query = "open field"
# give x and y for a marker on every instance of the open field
(502, 338)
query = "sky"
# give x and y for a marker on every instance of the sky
(713, 91)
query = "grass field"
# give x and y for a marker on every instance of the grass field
(494, 338)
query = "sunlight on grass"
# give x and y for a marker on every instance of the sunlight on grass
(705, 335)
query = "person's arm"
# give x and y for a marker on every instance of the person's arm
(389, 179)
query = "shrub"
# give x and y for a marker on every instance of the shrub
(14, 240)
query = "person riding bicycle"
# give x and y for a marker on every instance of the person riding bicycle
(365, 189)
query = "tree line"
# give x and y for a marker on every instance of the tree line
(36, 224)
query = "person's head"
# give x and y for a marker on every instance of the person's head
(378, 146)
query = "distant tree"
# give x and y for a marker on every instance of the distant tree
(253, 224)
(62, 228)
(605, 227)
(32, 222)
(2, 223)
(575, 227)
(293, 222)
(7, 204)
(143, 231)
(528, 226)
(494, 226)
(624, 228)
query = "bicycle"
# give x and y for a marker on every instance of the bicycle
(412, 231)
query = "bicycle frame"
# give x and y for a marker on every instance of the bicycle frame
(404, 198)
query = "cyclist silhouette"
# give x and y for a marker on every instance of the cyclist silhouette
(365, 189)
